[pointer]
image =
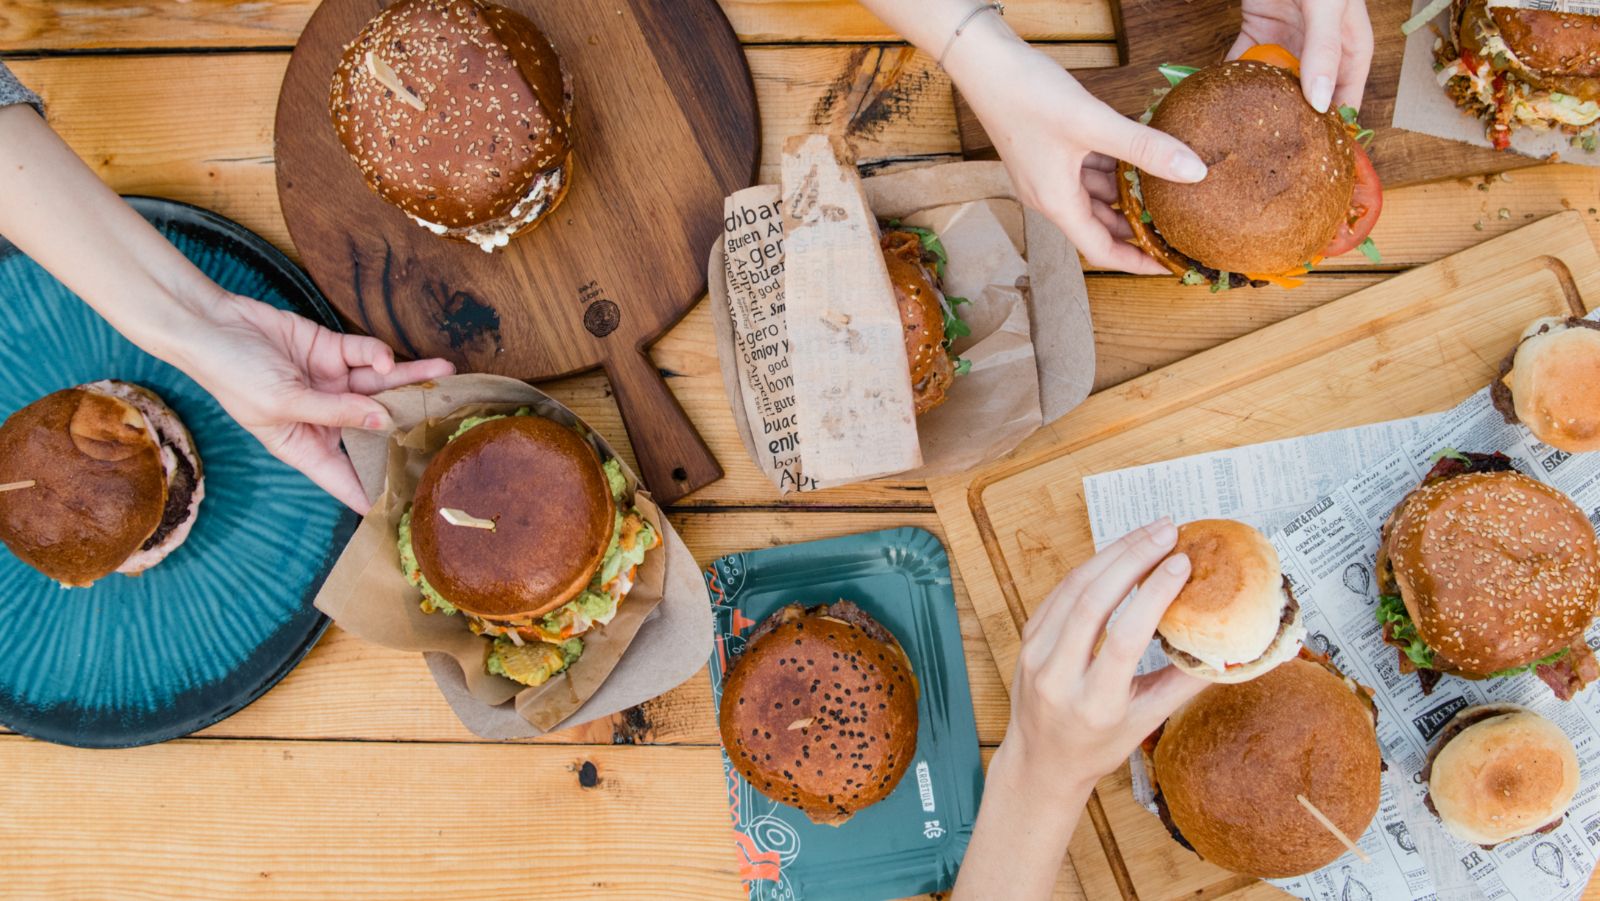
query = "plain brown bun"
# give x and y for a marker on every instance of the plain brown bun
(99, 490)
(1230, 763)
(1550, 50)
(932, 372)
(1496, 570)
(1555, 384)
(547, 493)
(496, 114)
(1229, 623)
(1280, 174)
(1508, 774)
(820, 711)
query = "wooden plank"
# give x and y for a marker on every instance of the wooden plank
(1352, 361)
(349, 689)
(166, 24)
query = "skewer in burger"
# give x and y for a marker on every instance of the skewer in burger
(521, 529)
(1499, 772)
(1237, 616)
(103, 478)
(1517, 68)
(916, 261)
(1484, 572)
(459, 112)
(1548, 383)
(820, 711)
(1285, 187)
(1229, 768)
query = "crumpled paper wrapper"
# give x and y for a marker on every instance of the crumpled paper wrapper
(662, 631)
(1421, 105)
(1032, 341)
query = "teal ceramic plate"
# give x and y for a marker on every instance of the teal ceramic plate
(131, 661)
(911, 842)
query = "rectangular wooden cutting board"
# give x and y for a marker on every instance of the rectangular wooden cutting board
(1417, 343)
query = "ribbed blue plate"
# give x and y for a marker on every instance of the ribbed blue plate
(132, 661)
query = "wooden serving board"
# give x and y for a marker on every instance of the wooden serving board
(666, 128)
(1417, 343)
(1198, 32)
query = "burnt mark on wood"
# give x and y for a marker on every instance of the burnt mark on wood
(588, 774)
(469, 324)
(385, 296)
(879, 87)
(633, 727)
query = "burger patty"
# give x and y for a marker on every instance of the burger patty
(1500, 392)
(180, 491)
(1285, 619)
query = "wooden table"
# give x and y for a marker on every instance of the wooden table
(352, 777)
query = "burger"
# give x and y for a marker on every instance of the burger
(100, 478)
(820, 711)
(1236, 617)
(1498, 772)
(1230, 767)
(459, 112)
(1285, 185)
(1485, 572)
(1548, 383)
(521, 529)
(916, 259)
(1522, 68)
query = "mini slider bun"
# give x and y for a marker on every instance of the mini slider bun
(117, 482)
(820, 711)
(1236, 617)
(459, 112)
(1501, 771)
(1229, 765)
(1552, 383)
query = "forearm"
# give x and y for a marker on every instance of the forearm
(930, 25)
(58, 212)
(1022, 832)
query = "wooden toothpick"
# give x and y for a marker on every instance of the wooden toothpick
(1328, 825)
(17, 486)
(462, 518)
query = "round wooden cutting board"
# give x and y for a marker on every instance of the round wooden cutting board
(666, 128)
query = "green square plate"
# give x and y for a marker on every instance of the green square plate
(912, 841)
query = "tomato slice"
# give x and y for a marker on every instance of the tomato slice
(1273, 54)
(1366, 202)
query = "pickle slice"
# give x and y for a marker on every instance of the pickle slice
(533, 663)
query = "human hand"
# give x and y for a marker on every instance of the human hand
(294, 384)
(1060, 144)
(1078, 709)
(1333, 39)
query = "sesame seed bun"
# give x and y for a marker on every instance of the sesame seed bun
(1549, 50)
(1235, 618)
(1500, 772)
(459, 112)
(1229, 764)
(820, 711)
(547, 493)
(1280, 179)
(1496, 570)
(1552, 382)
(917, 295)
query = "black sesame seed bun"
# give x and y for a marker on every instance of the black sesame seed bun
(820, 712)
(458, 112)
(1496, 570)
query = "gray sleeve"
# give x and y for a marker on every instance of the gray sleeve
(12, 91)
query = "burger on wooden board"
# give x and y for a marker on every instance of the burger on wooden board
(1229, 768)
(1548, 383)
(519, 527)
(1522, 68)
(1236, 617)
(103, 478)
(820, 711)
(1499, 772)
(459, 112)
(916, 259)
(1285, 187)
(1485, 572)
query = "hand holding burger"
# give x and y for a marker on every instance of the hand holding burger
(1078, 710)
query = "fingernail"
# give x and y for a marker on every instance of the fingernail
(1177, 564)
(1186, 166)
(1321, 93)
(1164, 532)
(374, 422)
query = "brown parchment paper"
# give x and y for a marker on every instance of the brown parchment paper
(662, 631)
(1032, 342)
(1421, 105)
